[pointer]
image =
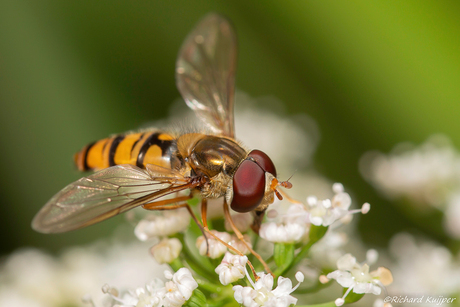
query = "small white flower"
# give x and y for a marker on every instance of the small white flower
(325, 212)
(281, 233)
(180, 288)
(239, 245)
(231, 268)
(150, 296)
(290, 227)
(216, 248)
(356, 277)
(296, 213)
(173, 293)
(261, 293)
(167, 250)
(245, 296)
(166, 224)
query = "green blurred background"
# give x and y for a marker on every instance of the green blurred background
(371, 73)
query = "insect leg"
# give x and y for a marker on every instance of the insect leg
(240, 236)
(206, 229)
(166, 205)
(204, 210)
(158, 205)
(232, 249)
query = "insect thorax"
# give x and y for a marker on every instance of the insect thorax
(216, 158)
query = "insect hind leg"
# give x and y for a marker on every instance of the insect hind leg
(167, 204)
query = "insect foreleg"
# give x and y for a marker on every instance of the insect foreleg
(204, 210)
(241, 237)
(232, 249)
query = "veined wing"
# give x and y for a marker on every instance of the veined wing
(205, 72)
(104, 194)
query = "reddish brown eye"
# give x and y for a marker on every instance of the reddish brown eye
(264, 161)
(248, 186)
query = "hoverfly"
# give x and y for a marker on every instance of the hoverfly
(141, 169)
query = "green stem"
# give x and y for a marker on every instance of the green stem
(225, 302)
(176, 264)
(198, 266)
(254, 246)
(303, 252)
(210, 287)
(312, 289)
(316, 233)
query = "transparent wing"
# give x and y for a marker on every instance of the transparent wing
(104, 194)
(205, 72)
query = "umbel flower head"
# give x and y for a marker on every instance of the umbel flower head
(174, 293)
(262, 293)
(166, 250)
(294, 225)
(357, 278)
(290, 227)
(231, 268)
(327, 211)
(161, 225)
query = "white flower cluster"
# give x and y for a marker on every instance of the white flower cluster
(32, 278)
(423, 174)
(357, 278)
(427, 175)
(423, 267)
(326, 212)
(232, 268)
(286, 228)
(167, 250)
(262, 293)
(294, 225)
(162, 224)
(216, 249)
(174, 293)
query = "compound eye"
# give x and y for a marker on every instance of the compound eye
(264, 161)
(248, 186)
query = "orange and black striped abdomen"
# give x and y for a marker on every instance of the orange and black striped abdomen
(137, 149)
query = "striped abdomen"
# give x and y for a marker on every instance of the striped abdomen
(137, 149)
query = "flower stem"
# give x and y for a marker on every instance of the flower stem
(203, 284)
(316, 233)
(176, 264)
(198, 266)
(303, 252)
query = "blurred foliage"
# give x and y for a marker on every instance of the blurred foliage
(371, 73)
